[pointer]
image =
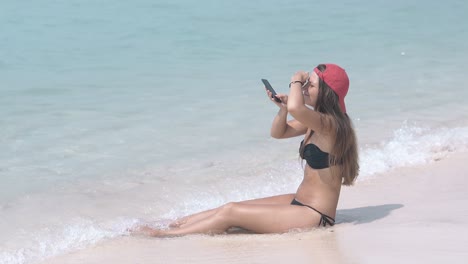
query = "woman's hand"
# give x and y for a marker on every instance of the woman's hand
(301, 76)
(282, 97)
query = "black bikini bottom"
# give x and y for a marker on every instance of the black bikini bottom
(324, 220)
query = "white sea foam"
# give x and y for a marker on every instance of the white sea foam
(48, 242)
(412, 145)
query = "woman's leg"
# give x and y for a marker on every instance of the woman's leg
(192, 218)
(259, 218)
(277, 199)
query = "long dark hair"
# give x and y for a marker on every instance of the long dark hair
(343, 158)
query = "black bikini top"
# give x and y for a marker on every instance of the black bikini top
(315, 157)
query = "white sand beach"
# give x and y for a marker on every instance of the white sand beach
(412, 215)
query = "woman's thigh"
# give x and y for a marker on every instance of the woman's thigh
(269, 218)
(277, 199)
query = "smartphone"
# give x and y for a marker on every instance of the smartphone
(269, 88)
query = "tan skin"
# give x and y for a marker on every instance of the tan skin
(275, 214)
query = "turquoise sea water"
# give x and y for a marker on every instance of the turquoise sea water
(112, 111)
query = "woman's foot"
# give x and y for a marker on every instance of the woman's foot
(145, 230)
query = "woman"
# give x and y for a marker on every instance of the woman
(330, 151)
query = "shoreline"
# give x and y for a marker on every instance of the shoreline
(411, 215)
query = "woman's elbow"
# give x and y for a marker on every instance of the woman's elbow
(275, 136)
(293, 109)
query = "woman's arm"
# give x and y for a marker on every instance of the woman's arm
(281, 128)
(296, 105)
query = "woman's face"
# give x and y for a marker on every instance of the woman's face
(311, 89)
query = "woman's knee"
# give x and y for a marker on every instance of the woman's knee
(226, 210)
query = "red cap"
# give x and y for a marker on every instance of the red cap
(335, 77)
